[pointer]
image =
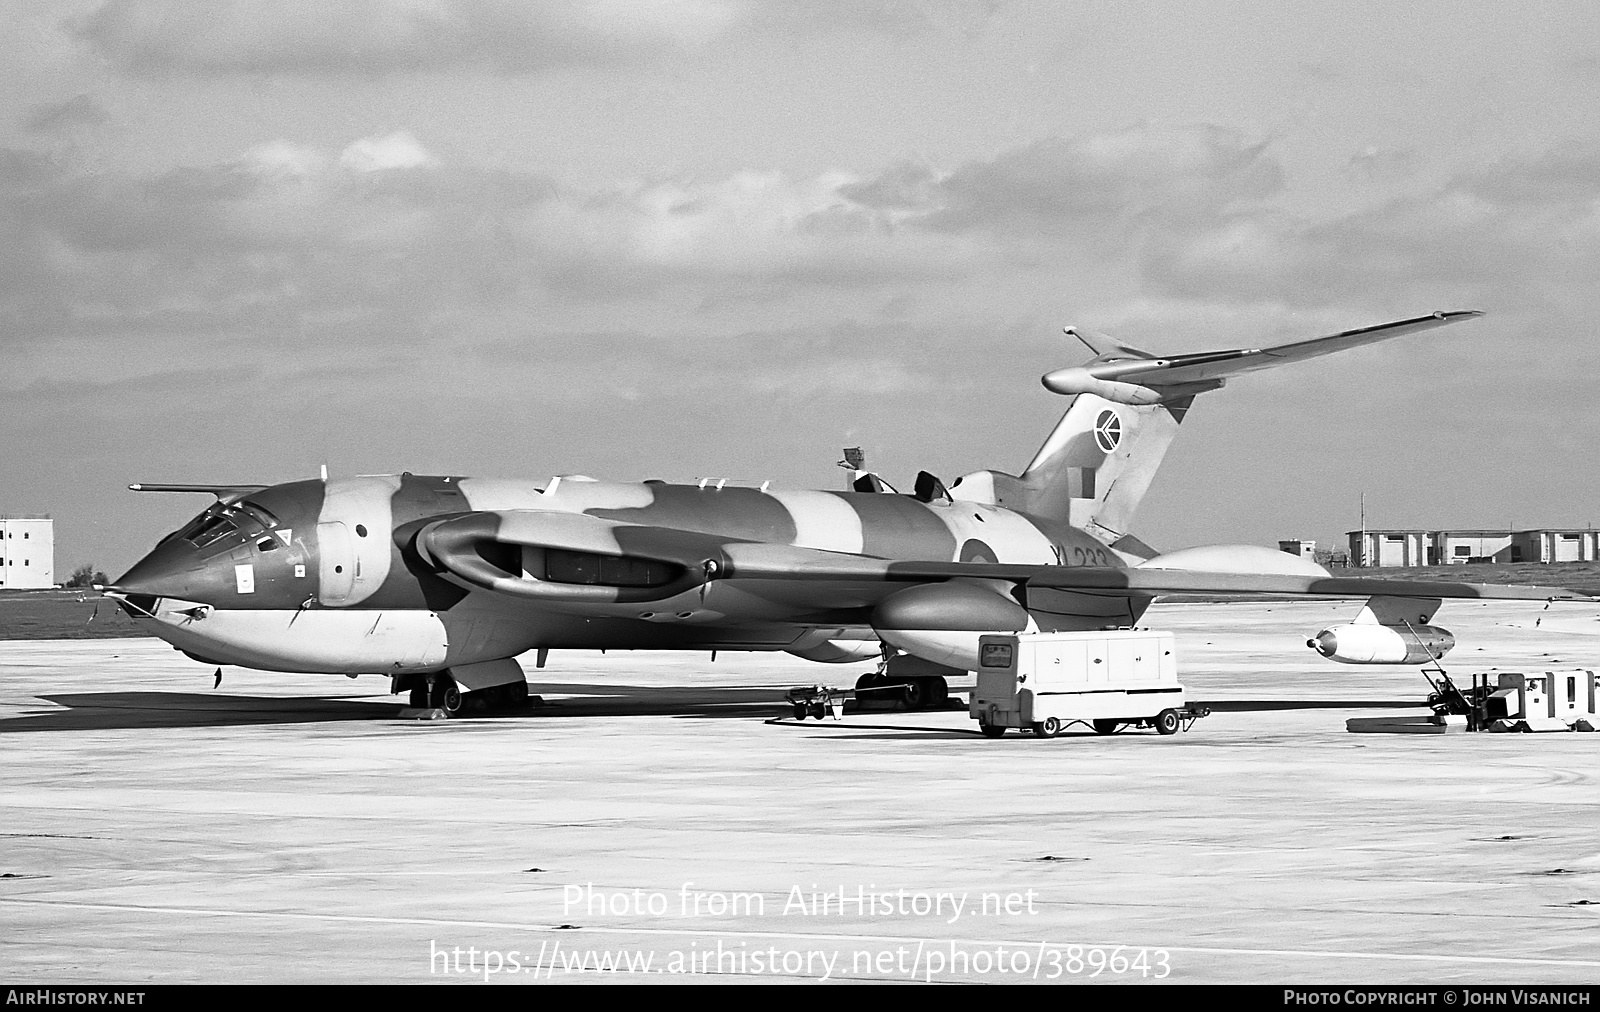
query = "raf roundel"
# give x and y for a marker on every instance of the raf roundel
(1108, 430)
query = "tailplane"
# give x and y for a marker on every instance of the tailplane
(1126, 406)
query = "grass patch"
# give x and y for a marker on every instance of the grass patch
(62, 615)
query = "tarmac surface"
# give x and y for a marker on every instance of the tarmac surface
(291, 829)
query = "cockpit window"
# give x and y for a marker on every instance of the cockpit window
(221, 520)
(262, 515)
(211, 530)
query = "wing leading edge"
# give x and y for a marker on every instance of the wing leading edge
(763, 562)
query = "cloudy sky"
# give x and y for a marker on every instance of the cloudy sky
(645, 238)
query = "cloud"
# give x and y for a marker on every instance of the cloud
(387, 246)
(23, 170)
(59, 117)
(1517, 234)
(398, 150)
(158, 38)
(1091, 195)
(374, 37)
(1373, 163)
(1566, 175)
(283, 157)
(1141, 173)
(751, 226)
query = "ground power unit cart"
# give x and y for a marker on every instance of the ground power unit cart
(1108, 679)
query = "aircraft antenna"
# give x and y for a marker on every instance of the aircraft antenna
(324, 474)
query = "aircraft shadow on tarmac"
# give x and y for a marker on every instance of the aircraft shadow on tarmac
(129, 710)
(125, 710)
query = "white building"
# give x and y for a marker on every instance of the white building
(1296, 546)
(1441, 548)
(27, 552)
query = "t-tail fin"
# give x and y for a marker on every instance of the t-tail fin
(1126, 406)
(1099, 462)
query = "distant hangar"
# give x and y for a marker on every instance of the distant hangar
(1442, 548)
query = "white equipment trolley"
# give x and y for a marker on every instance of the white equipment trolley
(1044, 681)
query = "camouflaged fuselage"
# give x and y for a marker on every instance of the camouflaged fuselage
(334, 559)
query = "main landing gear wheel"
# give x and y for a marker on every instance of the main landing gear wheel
(1105, 726)
(1047, 728)
(510, 696)
(517, 695)
(447, 695)
(925, 692)
(915, 692)
(992, 730)
(419, 698)
(1167, 722)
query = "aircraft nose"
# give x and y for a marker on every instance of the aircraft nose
(172, 570)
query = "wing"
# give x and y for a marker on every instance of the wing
(579, 559)
(773, 562)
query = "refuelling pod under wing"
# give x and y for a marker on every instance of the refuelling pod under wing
(943, 622)
(1389, 630)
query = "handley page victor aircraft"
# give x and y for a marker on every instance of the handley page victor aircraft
(440, 582)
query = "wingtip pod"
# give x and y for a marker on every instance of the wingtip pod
(1079, 380)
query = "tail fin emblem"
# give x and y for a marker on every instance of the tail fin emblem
(1108, 430)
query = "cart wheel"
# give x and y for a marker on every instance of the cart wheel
(799, 711)
(1048, 728)
(991, 730)
(1167, 722)
(1105, 726)
(818, 710)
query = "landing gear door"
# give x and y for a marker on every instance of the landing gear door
(336, 570)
